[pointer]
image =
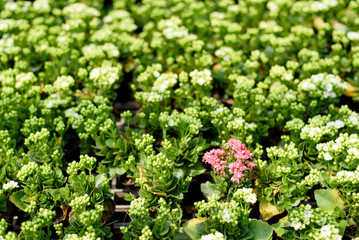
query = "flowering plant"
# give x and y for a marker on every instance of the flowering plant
(231, 162)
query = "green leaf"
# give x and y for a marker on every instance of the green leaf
(328, 199)
(261, 230)
(98, 180)
(17, 198)
(279, 227)
(342, 226)
(324, 179)
(196, 169)
(268, 210)
(165, 228)
(245, 233)
(181, 235)
(110, 143)
(210, 190)
(178, 173)
(116, 171)
(190, 228)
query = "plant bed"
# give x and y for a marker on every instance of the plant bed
(179, 119)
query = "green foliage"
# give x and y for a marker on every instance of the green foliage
(270, 74)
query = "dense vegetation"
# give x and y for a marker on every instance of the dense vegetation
(250, 92)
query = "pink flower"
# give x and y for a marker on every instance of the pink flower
(213, 157)
(237, 169)
(222, 160)
(240, 149)
(251, 165)
(233, 142)
(237, 178)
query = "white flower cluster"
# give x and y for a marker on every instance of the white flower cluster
(172, 28)
(311, 179)
(317, 128)
(63, 83)
(23, 80)
(223, 212)
(353, 36)
(345, 146)
(119, 20)
(154, 97)
(327, 232)
(345, 177)
(213, 236)
(283, 170)
(246, 194)
(280, 73)
(338, 124)
(201, 78)
(104, 76)
(323, 86)
(305, 7)
(80, 10)
(164, 81)
(42, 6)
(289, 152)
(10, 185)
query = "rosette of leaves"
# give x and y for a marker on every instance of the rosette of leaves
(97, 187)
(284, 180)
(158, 177)
(180, 141)
(306, 222)
(41, 184)
(161, 219)
(115, 146)
(89, 119)
(229, 217)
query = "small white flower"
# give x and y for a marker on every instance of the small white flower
(11, 6)
(307, 214)
(353, 119)
(295, 224)
(252, 198)
(338, 237)
(226, 215)
(10, 185)
(156, 74)
(219, 235)
(207, 237)
(312, 86)
(326, 231)
(329, 87)
(328, 94)
(216, 236)
(339, 139)
(353, 151)
(327, 156)
(354, 36)
(335, 147)
(171, 123)
(337, 124)
(200, 81)
(312, 132)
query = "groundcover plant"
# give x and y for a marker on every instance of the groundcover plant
(230, 119)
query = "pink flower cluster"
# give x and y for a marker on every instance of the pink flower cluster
(232, 156)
